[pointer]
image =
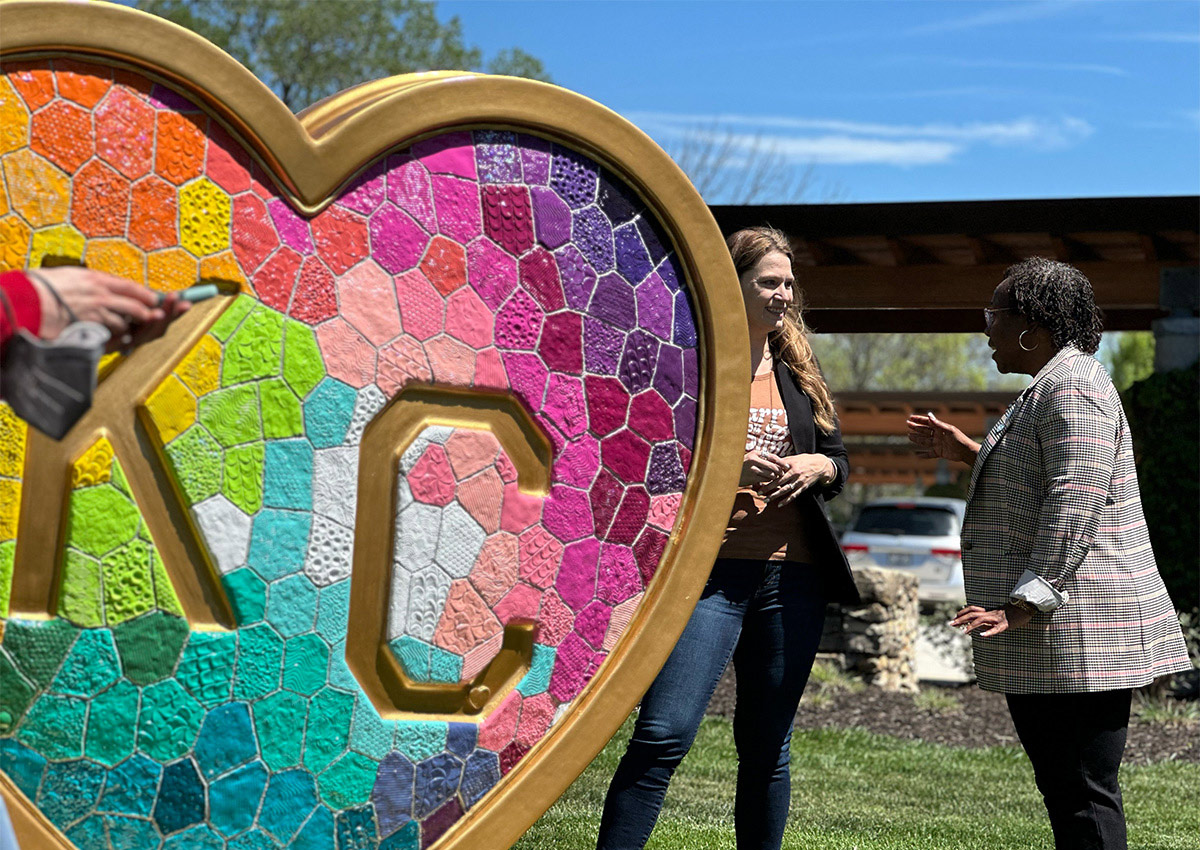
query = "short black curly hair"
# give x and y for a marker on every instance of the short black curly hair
(1058, 297)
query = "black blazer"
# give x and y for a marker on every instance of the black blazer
(807, 438)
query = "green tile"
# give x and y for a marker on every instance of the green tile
(303, 368)
(279, 724)
(254, 349)
(243, 480)
(169, 721)
(281, 416)
(150, 645)
(99, 519)
(128, 582)
(15, 694)
(195, 459)
(232, 317)
(232, 415)
(79, 597)
(38, 647)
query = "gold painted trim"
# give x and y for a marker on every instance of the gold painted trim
(32, 828)
(312, 155)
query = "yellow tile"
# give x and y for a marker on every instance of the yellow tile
(12, 442)
(225, 266)
(108, 362)
(38, 190)
(171, 269)
(14, 242)
(10, 504)
(62, 240)
(94, 466)
(116, 256)
(205, 217)
(200, 370)
(172, 408)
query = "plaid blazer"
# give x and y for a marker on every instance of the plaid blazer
(1054, 490)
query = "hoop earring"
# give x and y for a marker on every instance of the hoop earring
(1021, 341)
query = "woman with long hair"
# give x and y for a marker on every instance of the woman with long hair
(764, 604)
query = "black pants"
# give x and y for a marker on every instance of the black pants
(1075, 742)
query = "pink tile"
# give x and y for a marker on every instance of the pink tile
(254, 236)
(449, 153)
(539, 275)
(564, 405)
(508, 217)
(537, 714)
(508, 472)
(527, 377)
(650, 416)
(276, 278)
(626, 454)
(648, 549)
(618, 577)
(368, 298)
(457, 205)
(292, 228)
(496, 569)
(592, 622)
(400, 362)
(469, 319)
(561, 345)
(520, 510)
(574, 666)
(567, 514)
(408, 188)
(631, 516)
(466, 623)
(397, 242)
(347, 355)
(451, 361)
(368, 191)
(621, 617)
(663, 510)
(492, 273)
(470, 450)
(481, 495)
(518, 323)
(480, 657)
(576, 581)
(577, 463)
(497, 731)
(521, 603)
(489, 370)
(540, 554)
(422, 308)
(431, 479)
(228, 163)
(605, 496)
(555, 620)
(607, 403)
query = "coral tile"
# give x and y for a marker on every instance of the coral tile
(468, 319)
(521, 603)
(152, 214)
(431, 480)
(466, 623)
(496, 569)
(469, 451)
(445, 265)
(316, 298)
(621, 617)
(228, 162)
(368, 301)
(347, 355)
(276, 278)
(254, 236)
(125, 133)
(481, 495)
(540, 556)
(402, 361)
(421, 306)
(452, 362)
(341, 239)
(62, 132)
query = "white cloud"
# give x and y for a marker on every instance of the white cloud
(1006, 13)
(840, 142)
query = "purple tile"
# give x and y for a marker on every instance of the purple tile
(665, 473)
(436, 782)
(601, 346)
(618, 203)
(592, 234)
(632, 260)
(162, 97)
(483, 771)
(535, 158)
(655, 307)
(691, 373)
(685, 421)
(653, 239)
(669, 274)
(614, 302)
(496, 156)
(574, 177)
(551, 218)
(637, 361)
(435, 826)
(668, 374)
(578, 278)
(685, 325)
(392, 795)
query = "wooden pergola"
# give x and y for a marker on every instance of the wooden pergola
(933, 266)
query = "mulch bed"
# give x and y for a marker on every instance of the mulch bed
(982, 722)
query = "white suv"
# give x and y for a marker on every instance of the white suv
(920, 536)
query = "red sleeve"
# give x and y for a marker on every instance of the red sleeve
(23, 299)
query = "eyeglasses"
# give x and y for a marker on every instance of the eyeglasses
(990, 312)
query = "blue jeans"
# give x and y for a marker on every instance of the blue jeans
(768, 616)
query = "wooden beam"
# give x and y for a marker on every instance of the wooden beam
(962, 320)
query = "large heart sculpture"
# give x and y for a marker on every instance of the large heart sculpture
(381, 551)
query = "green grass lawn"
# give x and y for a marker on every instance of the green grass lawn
(852, 790)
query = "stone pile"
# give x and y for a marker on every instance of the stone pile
(878, 638)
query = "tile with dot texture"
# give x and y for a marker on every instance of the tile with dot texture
(62, 132)
(554, 620)
(368, 403)
(408, 188)
(592, 234)
(573, 177)
(170, 269)
(125, 132)
(205, 216)
(330, 552)
(459, 541)
(537, 713)
(366, 192)
(602, 345)
(70, 789)
(497, 157)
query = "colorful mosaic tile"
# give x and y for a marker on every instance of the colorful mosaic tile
(487, 260)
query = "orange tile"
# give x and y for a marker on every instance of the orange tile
(99, 200)
(32, 80)
(82, 82)
(62, 132)
(116, 256)
(171, 269)
(125, 133)
(181, 146)
(152, 214)
(224, 266)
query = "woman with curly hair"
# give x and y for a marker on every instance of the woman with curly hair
(1065, 604)
(764, 604)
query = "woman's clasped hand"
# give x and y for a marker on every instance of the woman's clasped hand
(783, 479)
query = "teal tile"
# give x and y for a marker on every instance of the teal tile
(131, 832)
(90, 666)
(328, 728)
(54, 726)
(247, 595)
(370, 734)
(226, 740)
(290, 798)
(131, 787)
(112, 724)
(70, 790)
(537, 679)
(199, 837)
(305, 664)
(327, 413)
(444, 666)
(233, 799)
(206, 666)
(288, 474)
(278, 542)
(292, 605)
(279, 723)
(420, 739)
(413, 655)
(333, 611)
(260, 660)
(169, 722)
(89, 834)
(317, 834)
(23, 766)
(348, 781)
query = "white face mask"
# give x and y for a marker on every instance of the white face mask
(49, 383)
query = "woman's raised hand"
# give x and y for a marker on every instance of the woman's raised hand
(934, 438)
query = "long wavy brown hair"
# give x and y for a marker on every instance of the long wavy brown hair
(790, 344)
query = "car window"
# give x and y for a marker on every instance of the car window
(900, 519)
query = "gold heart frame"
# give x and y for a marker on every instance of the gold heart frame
(311, 157)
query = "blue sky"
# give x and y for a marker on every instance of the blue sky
(893, 101)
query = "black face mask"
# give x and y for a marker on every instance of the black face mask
(49, 383)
